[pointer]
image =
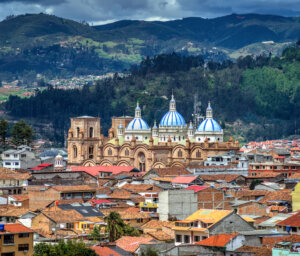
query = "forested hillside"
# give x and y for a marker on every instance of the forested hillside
(254, 98)
(34, 44)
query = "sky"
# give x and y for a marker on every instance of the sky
(106, 11)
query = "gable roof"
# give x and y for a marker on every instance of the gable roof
(8, 174)
(171, 171)
(226, 177)
(62, 216)
(276, 196)
(209, 216)
(197, 188)
(220, 240)
(157, 224)
(94, 170)
(74, 188)
(132, 243)
(293, 221)
(15, 228)
(85, 209)
(184, 179)
(104, 251)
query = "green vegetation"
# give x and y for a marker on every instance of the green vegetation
(57, 47)
(117, 228)
(63, 249)
(22, 133)
(255, 98)
(4, 126)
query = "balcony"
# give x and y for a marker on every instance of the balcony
(148, 205)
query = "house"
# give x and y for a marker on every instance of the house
(16, 239)
(249, 208)
(211, 198)
(232, 179)
(159, 230)
(104, 171)
(177, 204)
(296, 198)
(267, 176)
(13, 182)
(62, 178)
(186, 181)
(19, 159)
(226, 242)
(41, 196)
(131, 244)
(271, 223)
(170, 172)
(291, 224)
(205, 223)
(104, 251)
(12, 214)
(268, 186)
(19, 200)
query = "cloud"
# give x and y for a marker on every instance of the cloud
(103, 11)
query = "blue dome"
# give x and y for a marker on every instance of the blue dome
(137, 124)
(209, 125)
(172, 118)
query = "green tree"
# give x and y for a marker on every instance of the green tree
(254, 183)
(63, 249)
(96, 234)
(22, 133)
(114, 226)
(149, 251)
(4, 125)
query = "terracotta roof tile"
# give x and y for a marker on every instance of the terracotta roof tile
(271, 241)
(172, 171)
(226, 177)
(218, 240)
(141, 188)
(197, 188)
(104, 251)
(8, 174)
(20, 198)
(259, 251)
(158, 224)
(293, 221)
(279, 195)
(132, 243)
(15, 228)
(94, 170)
(161, 235)
(14, 212)
(74, 188)
(184, 179)
(62, 216)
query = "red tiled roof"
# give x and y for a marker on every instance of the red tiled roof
(104, 251)
(197, 188)
(218, 240)
(271, 241)
(94, 170)
(15, 228)
(132, 243)
(293, 221)
(184, 179)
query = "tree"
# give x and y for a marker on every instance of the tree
(22, 133)
(63, 249)
(254, 183)
(96, 234)
(149, 251)
(114, 226)
(4, 125)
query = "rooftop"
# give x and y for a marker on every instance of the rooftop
(220, 240)
(132, 243)
(15, 228)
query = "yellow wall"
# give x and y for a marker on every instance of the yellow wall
(15, 247)
(296, 198)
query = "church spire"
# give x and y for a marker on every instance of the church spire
(172, 103)
(209, 112)
(137, 111)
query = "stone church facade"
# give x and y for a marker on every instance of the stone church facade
(170, 144)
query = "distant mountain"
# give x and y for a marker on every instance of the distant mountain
(118, 45)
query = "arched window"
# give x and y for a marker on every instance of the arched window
(91, 152)
(74, 151)
(142, 164)
(174, 138)
(109, 152)
(78, 129)
(198, 154)
(179, 153)
(126, 152)
(91, 132)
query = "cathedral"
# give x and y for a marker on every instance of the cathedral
(132, 142)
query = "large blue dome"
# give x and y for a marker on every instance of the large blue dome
(209, 125)
(172, 118)
(137, 124)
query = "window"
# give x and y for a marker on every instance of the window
(91, 152)
(16, 163)
(294, 229)
(91, 132)
(204, 237)
(6, 155)
(126, 152)
(196, 238)
(70, 225)
(8, 254)
(179, 153)
(21, 235)
(74, 151)
(186, 239)
(8, 239)
(109, 152)
(178, 238)
(23, 155)
(15, 155)
(78, 131)
(198, 154)
(140, 220)
(23, 247)
(7, 163)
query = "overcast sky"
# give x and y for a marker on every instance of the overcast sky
(104, 11)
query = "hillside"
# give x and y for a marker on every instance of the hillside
(55, 46)
(254, 99)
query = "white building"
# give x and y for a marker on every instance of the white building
(21, 158)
